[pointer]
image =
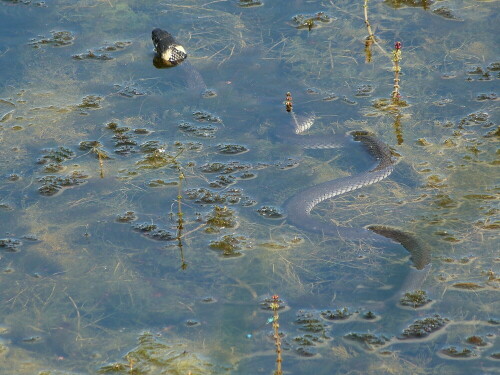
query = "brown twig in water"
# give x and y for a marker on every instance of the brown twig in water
(370, 39)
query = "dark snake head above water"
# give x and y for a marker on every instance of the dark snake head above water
(170, 52)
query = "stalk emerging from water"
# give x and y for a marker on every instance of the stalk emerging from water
(396, 58)
(276, 334)
(370, 39)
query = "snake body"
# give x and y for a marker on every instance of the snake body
(299, 207)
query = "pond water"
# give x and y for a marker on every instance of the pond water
(142, 221)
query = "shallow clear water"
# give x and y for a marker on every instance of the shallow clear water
(89, 284)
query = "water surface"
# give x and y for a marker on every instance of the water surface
(95, 143)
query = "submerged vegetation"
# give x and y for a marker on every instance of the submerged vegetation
(161, 182)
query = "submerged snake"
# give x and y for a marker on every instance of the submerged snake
(299, 207)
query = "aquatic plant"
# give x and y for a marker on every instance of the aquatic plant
(249, 3)
(155, 356)
(396, 58)
(276, 334)
(180, 214)
(454, 352)
(229, 245)
(424, 327)
(415, 299)
(308, 21)
(220, 217)
(369, 341)
(339, 314)
(370, 39)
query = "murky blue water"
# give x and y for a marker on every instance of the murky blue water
(96, 145)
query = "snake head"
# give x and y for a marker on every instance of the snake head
(169, 51)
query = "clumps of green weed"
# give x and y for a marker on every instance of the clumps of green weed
(52, 185)
(424, 327)
(58, 39)
(410, 3)
(368, 341)
(10, 244)
(225, 168)
(388, 105)
(94, 147)
(204, 116)
(154, 232)
(476, 341)
(228, 196)
(126, 217)
(269, 304)
(201, 131)
(230, 172)
(231, 149)
(56, 155)
(52, 161)
(220, 218)
(229, 245)
(454, 352)
(415, 299)
(174, 359)
(310, 322)
(90, 102)
(338, 314)
(308, 340)
(123, 137)
(91, 55)
(310, 21)
(155, 156)
(249, 3)
(270, 212)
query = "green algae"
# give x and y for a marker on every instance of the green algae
(204, 116)
(310, 21)
(231, 149)
(468, 286)
(270, 212)
(127, 217)
(415, 299)
(154, 232)
(424, 327)
(51, 184)
(338, 314)
(10, 244)
(58, 39)
(249, 3)
(369, 341)
(201, 131)
(476, 340)
(153, 355)
(229, 245)
(220, 218)
(454, 352)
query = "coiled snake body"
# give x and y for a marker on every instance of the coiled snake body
(299, 207)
